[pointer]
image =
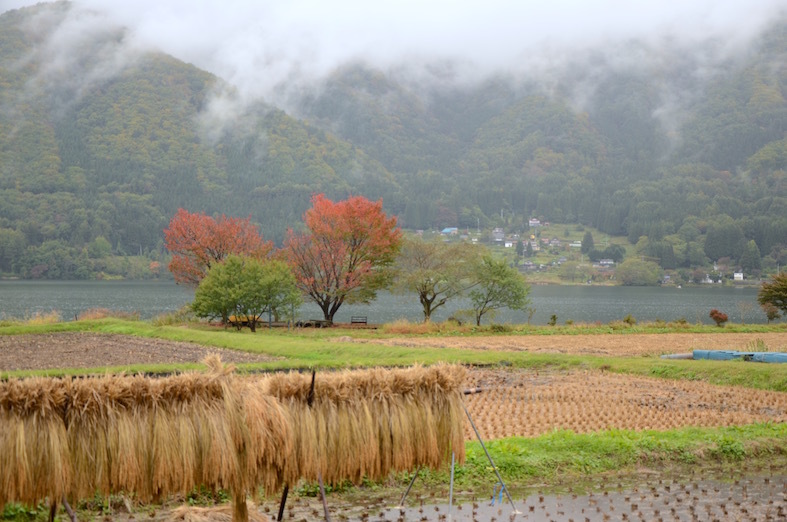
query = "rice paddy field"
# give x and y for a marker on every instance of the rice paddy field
(581, 426)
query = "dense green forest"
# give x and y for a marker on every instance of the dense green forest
(96, 156)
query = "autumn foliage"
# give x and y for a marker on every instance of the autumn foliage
(198, 241)
(346, 252)
(718, 317)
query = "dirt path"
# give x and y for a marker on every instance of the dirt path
(603, 344)
(89, 350)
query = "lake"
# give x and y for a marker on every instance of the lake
(588, 303)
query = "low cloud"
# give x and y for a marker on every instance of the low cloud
(264, 48)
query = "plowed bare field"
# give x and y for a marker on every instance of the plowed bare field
(603, 344)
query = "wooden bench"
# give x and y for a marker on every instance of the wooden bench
(358, 319)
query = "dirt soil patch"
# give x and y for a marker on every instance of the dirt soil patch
(601, 344)
(90, 350)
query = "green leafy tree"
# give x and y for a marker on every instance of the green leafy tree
(587, 243)
(12, 247)
(751, 259)
(436, 271)
(498, 286)
(724, 239)
(635, 272)
(99, 248)
(774, 292)
(247, 288)
(570, 270)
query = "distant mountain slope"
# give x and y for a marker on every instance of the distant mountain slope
(101, 144)
(87, 153)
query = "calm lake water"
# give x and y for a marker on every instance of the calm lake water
(20, 299)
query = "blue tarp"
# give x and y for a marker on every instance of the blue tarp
(727, 355)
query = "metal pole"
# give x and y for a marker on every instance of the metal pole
(451, 488)
(324, 501)
(283, 501)
(488, 456)
(401, 502)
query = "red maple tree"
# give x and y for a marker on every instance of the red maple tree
(346, 254)
(198, 241)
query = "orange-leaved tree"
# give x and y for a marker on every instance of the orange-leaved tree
(197, 242)
(346, 253)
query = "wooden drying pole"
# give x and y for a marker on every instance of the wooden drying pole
(309, 402)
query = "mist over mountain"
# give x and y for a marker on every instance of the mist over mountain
(675, 141)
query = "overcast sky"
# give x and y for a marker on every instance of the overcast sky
(257, 44)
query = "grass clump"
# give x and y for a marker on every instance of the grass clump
(103, 313)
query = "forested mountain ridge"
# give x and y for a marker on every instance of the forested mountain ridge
(87, 154)
(96, 153)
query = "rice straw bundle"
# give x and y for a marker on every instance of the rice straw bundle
(270, 438)
(156, 437)
(34, 455)
(367, 423)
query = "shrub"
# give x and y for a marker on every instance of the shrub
(618, 325)
(500, 328)
(553, 320)
(403, 326)
(718, 317)
(630, 320)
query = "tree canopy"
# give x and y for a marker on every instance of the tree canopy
(435, 271)
(498, 286)
(197, 242)
(247, 288)
(774, 293)
(345, 254)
